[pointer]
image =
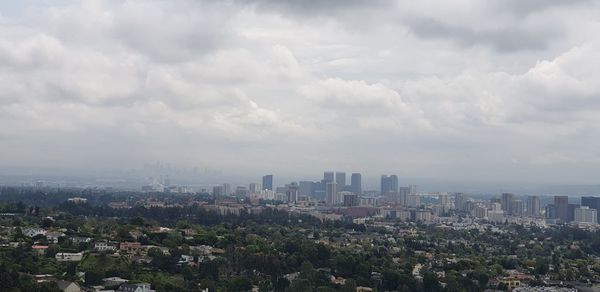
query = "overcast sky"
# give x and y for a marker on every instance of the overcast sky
(460, 90)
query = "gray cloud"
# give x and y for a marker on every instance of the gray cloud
(505, 39)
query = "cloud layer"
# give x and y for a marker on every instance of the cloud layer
(470, 90)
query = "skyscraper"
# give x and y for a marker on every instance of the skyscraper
(292, 193)
(507, 202)
(254, 188)
(561, 203)
(517, 207)
(328, 176)
(340, 179)
(306, 188)
(389, 184)
(330, 193)
(267, 182)
(356, 183)
(394, 183)
(533, 206)
(403, 193)
(385, 184)
(459, 201)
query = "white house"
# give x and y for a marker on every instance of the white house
(68, 257)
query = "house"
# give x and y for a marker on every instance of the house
(185, 259)
(130, 246)
(40, 249)
(104, 246)
(142, 287)
(32, 232)
(113, 281)
(54, 236)
(80, 239)
(68, 257)
(68, 286)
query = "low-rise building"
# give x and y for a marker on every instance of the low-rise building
(68, 257)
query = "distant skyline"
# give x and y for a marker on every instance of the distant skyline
(455, 91)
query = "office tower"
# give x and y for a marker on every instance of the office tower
(356, 183)
(413, 189)
(442, 199)
(254, 188)
(561, 203)
(479, 212)
(550, 211)
(517, 207)
(226, 189)
(571, 211)
(394, 183)
(533, 206)
(292, 193)
(413, 201)
(403, 193)
(340, 179)
(591, 202)
(585, 214)
(330, 193)
(389, 183)
(305, 188)
(459, 201)
(328, 176)
(507, 199)
(267, 182)
(385, 184)
(218, 191)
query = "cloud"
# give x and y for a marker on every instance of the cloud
(494, 89)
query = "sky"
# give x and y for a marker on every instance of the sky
(466, 90)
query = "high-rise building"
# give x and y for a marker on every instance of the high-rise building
(328, 176)
(561, 203)
(356, 183)
(389, 183)
(459, 201)
(413, 189)
(585, 214)
(533, 206)
(507, 200)
(254, 188)
(292, 193)
(591, 202)
(218, 191)
(350, 199)
(267, 182)
(403, 193)
(226, 189)
(517, 207)
(413, 201)
(443, 199)
(340, 179)
(306, 188)
(330, 193)
(394, 183)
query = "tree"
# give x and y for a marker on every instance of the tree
(299, 285)
(239, 284)
(93, 277)
(430, 282)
